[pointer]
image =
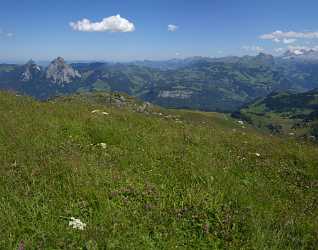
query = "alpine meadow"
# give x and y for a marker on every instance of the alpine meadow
(158, 125)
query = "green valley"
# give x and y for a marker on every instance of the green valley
(285, 113)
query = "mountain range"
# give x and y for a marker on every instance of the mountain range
(211, 84)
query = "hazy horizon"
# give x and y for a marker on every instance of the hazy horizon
(47, 61)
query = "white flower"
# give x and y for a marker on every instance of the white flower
(103, 145)
(76, 224)
(99, 112)
(257, 154)
(95, 111)
(240, 122)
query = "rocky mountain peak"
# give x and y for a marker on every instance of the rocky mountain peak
(291, 53)
(264, 56)
(30, 71)
(30, 62)
(303, 54)
(59, 60)
(60, 72)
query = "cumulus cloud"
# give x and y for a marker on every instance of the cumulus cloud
(110, 24)
(289, 41)
(253, 48)
(285, 40)
(278, 36)
(172, 27)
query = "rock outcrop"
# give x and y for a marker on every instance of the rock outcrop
(31, 71)
(60, 73)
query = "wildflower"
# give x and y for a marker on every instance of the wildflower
(103, 145)
(257, 154)
(105, 113)
(240, 122)
(76, 224)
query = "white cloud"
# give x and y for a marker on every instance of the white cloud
(285, 40)
(279, 35)
(111, 24)
(289, 41)
(253, 48)
(172, 27)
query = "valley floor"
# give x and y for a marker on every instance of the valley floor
(152, 179)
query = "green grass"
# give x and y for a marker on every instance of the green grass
(285, 113)
(159, 184)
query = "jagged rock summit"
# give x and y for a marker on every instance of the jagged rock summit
(60, 72)
(301, 54)
(30, 71)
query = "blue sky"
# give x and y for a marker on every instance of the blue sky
(41, 29)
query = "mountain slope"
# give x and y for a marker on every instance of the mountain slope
(59, 72)
(148, 179)
(293, 113)
(205, 84)
(211, 84)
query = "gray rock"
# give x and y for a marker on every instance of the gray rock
(30, 72)
(59, 72)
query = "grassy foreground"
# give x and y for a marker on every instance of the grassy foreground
(177, 180)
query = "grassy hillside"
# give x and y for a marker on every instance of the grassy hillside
(145, 178)
(285, 113)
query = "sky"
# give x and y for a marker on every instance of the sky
(126, 30)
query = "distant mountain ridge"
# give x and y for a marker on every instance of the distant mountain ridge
(212, 84)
